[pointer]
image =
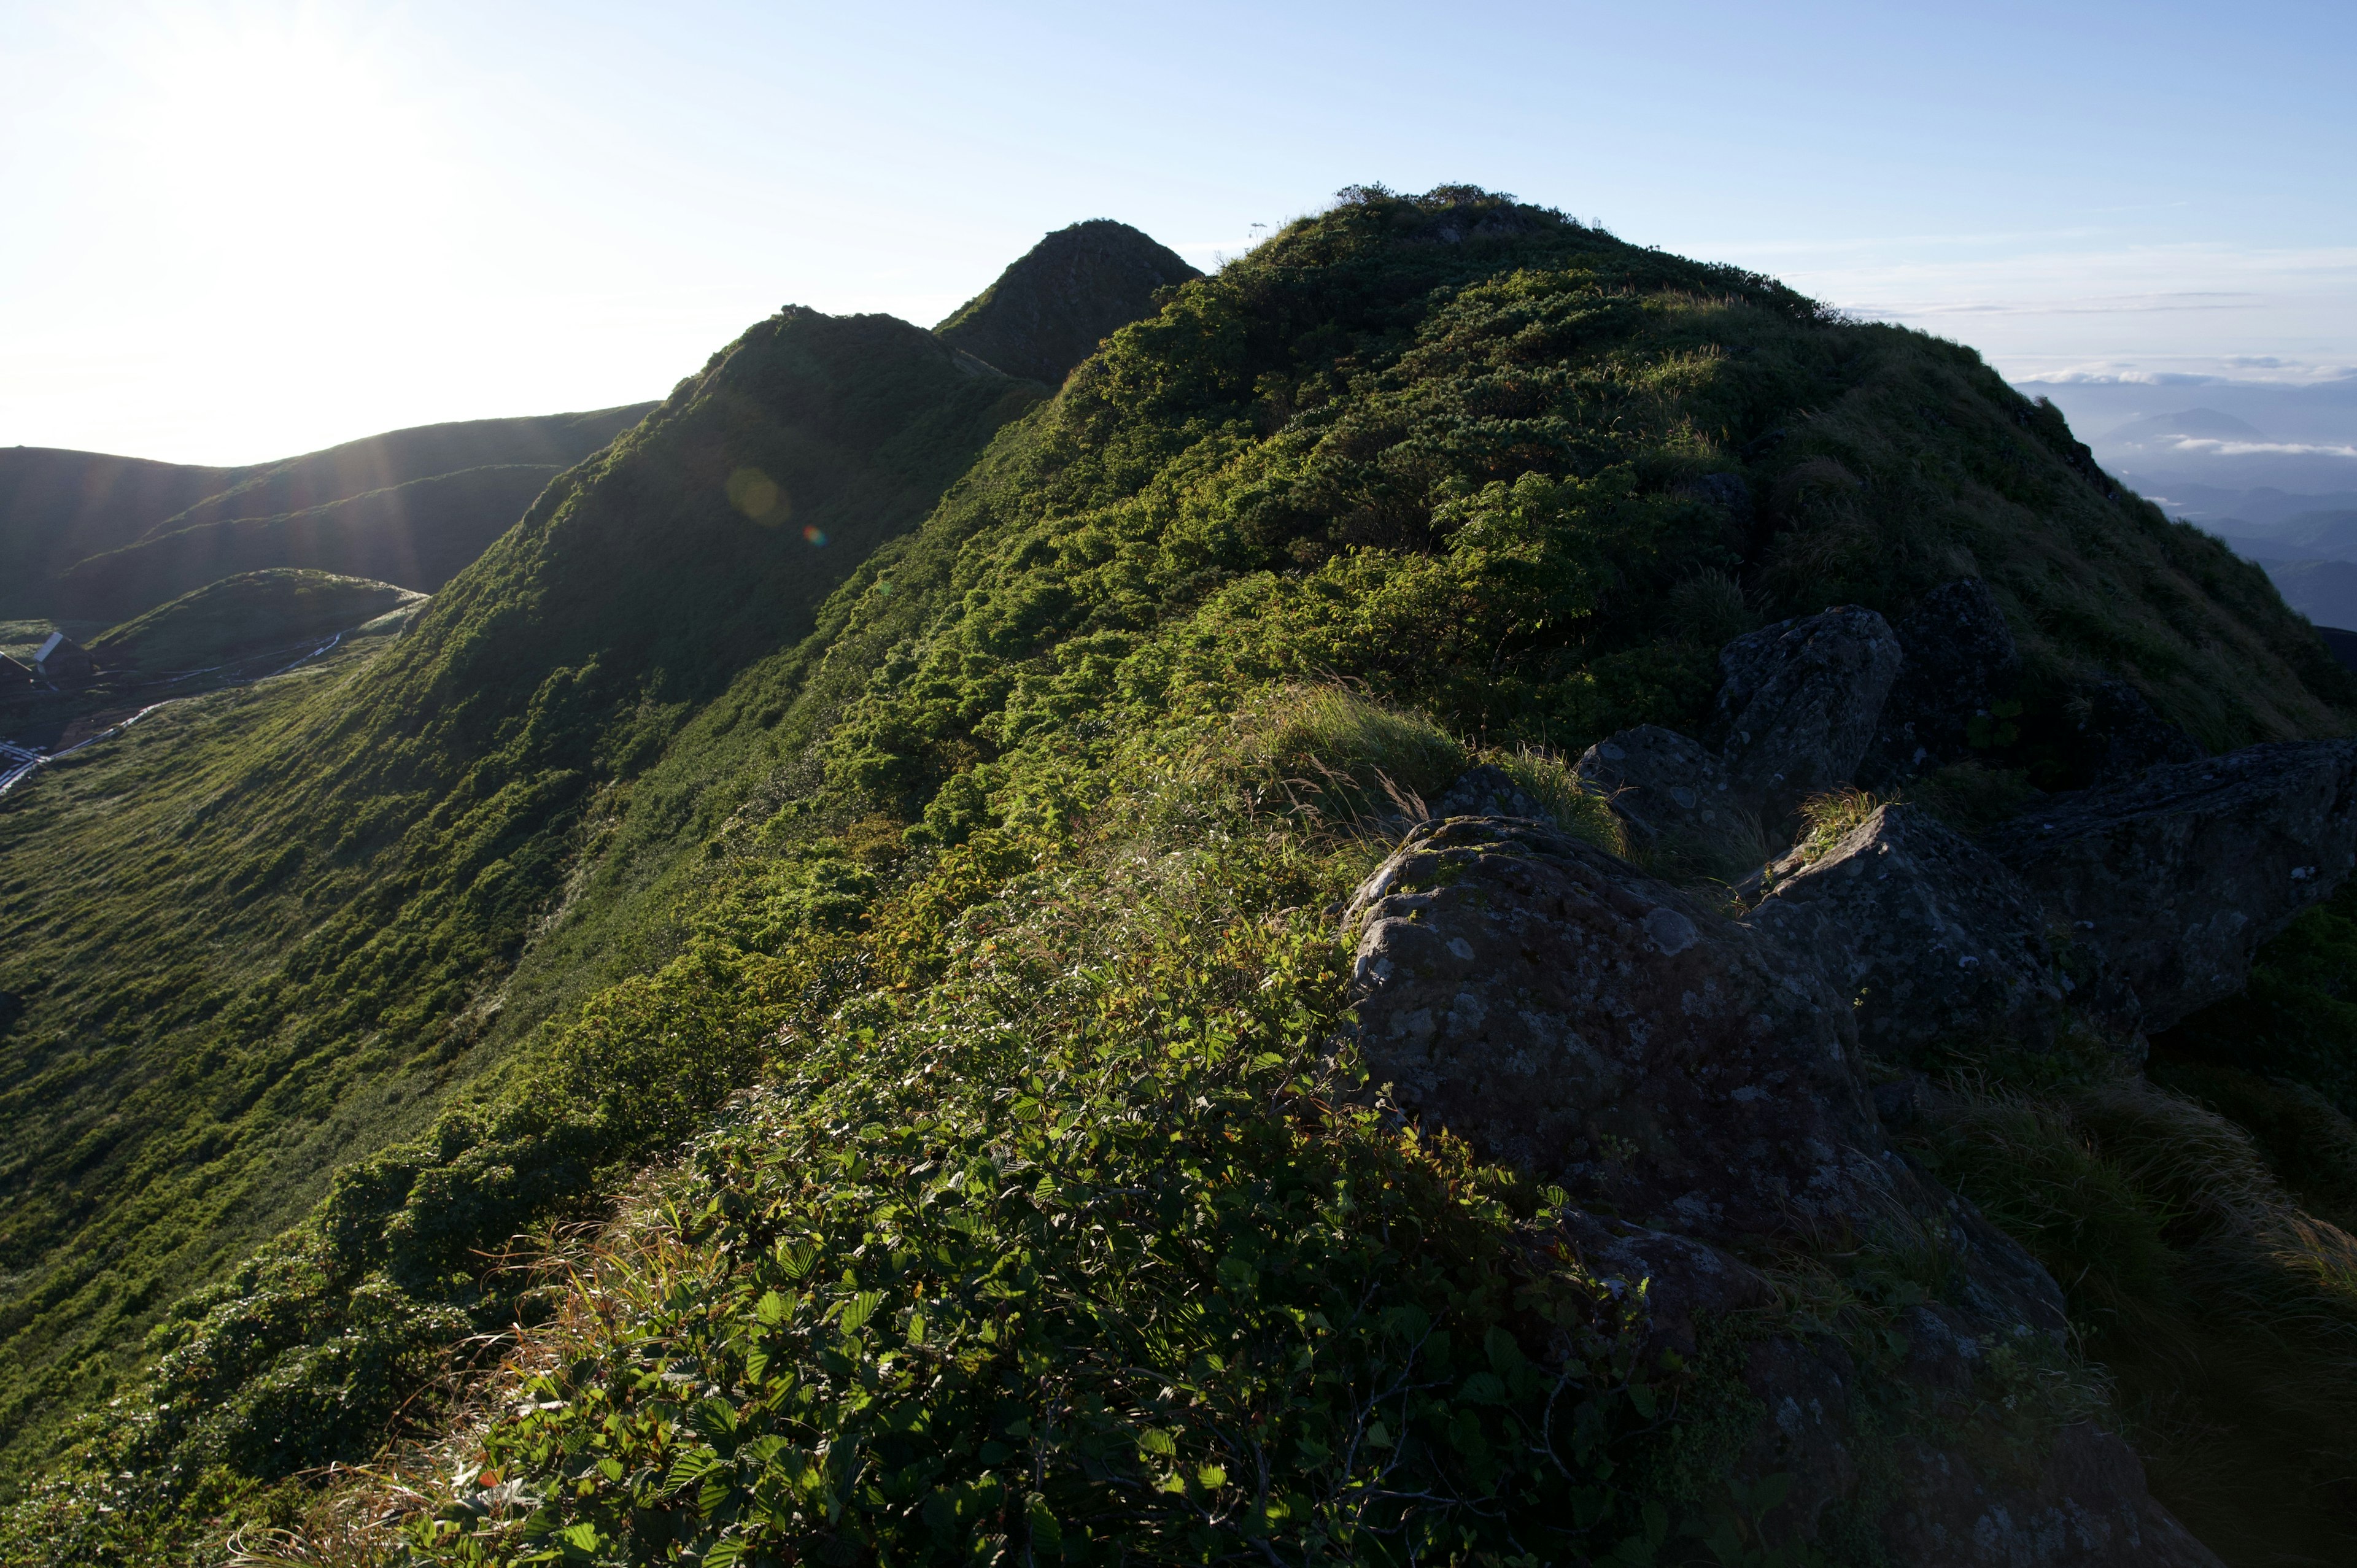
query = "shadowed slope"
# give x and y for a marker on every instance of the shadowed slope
(60, 506)
(418, 534)
(1050, 310)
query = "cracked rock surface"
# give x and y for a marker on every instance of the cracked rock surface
(1800, 703)
(1699, 1091)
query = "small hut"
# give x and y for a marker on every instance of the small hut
(62, 660)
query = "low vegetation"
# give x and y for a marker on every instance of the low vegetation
(907, 1023)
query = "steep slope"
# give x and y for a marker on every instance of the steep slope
(1023, 844)
(1050, 310)
(58, 507)
(247, 958)
(418, 534)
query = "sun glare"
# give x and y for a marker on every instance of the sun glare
(250, 125)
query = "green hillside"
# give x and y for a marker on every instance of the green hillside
(1050, 310)
(59, 508)
(252, 609)
(309, 907)
(870, 770)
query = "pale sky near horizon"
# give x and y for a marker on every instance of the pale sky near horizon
(238, 230)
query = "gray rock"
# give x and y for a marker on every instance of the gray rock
(1673, 796)
(2118, 734)
(1800, 703)
(2175, 879)
(1959, 660)
(1930, 938)
(1487, 790)
(1564, 1012)
(1561, 1010)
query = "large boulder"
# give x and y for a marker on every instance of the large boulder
(1564, 1012)
(1674, 798)
(1800, 703)
(1959, 661)
(2175, 878)
(1567, 1013)
(1930, 938)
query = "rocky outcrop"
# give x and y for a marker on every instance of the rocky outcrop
(1683, 1072)
(2175, 879)
(1800, 703)
(1675, 798)
(1959, 663)
(1925, 935)
(1570, 1014)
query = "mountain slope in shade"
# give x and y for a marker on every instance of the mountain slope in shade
(1050, 310)
(419, 534)
(60, 506)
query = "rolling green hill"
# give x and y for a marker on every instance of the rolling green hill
(58, 508)
(254, 610)
(868, 742)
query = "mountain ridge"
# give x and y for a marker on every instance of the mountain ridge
(649, 816)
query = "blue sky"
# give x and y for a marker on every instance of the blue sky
(238, 230)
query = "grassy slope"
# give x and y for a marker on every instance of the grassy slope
(251, 609)
(234, 981)
(1444, 448)
(1050, 309)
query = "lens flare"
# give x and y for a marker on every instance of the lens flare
(816, 536)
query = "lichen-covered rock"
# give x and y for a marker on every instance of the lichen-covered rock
(1959, 661)
(2175, 878)
(1673, 796)
(1927, 935)
(1564, 1012)
(1800, 703)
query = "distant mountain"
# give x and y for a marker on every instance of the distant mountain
(59, 508)
(2323, 591)
(418, 534)
(2221, 507)
(2192, 425)
(1050, 309)
(2304, 536)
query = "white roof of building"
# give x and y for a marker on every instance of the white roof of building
(50, 646)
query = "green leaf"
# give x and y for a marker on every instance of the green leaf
(772, 1309)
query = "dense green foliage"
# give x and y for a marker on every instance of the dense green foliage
(1505, 480)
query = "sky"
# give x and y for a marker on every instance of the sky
(234, 232)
